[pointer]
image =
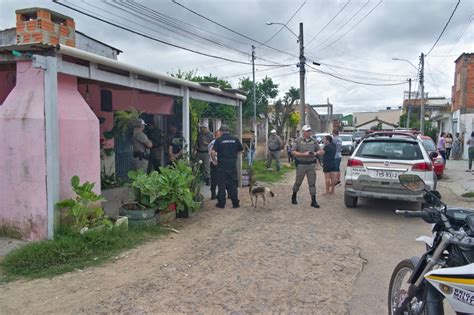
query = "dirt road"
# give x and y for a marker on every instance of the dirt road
(279, 258)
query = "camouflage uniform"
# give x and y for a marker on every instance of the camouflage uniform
(274, 148)
(140, 151)
(305, 165)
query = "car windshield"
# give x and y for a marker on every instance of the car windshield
(392, 150)
(346, 138)
(429, 145)
(359, 134)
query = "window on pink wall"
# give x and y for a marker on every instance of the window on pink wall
(7, 80)
(106, 101)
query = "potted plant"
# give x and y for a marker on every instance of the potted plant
(196, 183)
(174, 188)
(83, 212)
(142, 211)
(124, 120)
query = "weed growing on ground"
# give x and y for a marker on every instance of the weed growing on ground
(261, 174)
(71, 251)
(468, 194)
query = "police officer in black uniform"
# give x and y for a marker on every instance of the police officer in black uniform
(227, 147)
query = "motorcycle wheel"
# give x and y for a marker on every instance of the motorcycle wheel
(398, 289)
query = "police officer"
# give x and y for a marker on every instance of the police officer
(305, 150)
(154, 134)
(141, 144)
(274, 147)
(226, 148)
(204, 138)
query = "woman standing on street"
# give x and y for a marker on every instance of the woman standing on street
(470, 145)
(329, 165)
(456, 149)
(449, 145)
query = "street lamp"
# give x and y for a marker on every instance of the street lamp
(302, 69)
(399, 59)
(284, 25)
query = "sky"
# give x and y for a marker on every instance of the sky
(355, 40)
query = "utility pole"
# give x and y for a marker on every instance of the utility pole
(254, 99)
(422, 107)
(407, 125)
(302, 75)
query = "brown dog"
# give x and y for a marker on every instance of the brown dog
(260, 191)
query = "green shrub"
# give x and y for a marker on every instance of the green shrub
(83, 210)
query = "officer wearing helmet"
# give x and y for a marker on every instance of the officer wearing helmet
(305, 151)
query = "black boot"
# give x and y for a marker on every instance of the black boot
(213, 195)
(314, 204)
(293, 199)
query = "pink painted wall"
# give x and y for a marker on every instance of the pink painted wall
(22, 155)
(79, 149)
(123, 100)
(7, 76)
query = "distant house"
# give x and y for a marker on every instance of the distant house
(388, 115)
(376, 124)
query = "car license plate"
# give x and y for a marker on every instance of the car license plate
(386, 174)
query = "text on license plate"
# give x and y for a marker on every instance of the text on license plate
(386, 174)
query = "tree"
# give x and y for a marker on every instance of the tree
(430, 129)
(199, 109)
(264, 91)
(283, 109)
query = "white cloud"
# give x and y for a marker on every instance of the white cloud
(396, 28)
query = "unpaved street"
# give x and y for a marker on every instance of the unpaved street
(282, 258)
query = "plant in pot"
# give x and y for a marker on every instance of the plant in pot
(174, 188)
(196, 182)
(124, 120)
(141, 212)
(84, 211)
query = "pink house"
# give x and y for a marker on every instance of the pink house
(58, 92)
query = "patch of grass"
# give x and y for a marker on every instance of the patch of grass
(261, 174)
(468, 194)
(68, 252)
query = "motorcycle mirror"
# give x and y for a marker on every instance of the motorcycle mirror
(412, 182)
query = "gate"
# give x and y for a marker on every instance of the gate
(123, 155)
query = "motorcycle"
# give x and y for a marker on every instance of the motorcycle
(419, 285)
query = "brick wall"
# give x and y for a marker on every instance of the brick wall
(38, 25)
(463, 88)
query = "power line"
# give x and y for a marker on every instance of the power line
(286, 24)
(353, 81)
(180, 25)
(156, 39)
(233, 31)
(432, 78)
(444, 28)
(343, 25)
(353, 27)
(257, 71)
(327, 24)
(471, 18)
(172, 28)
(367, 72)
